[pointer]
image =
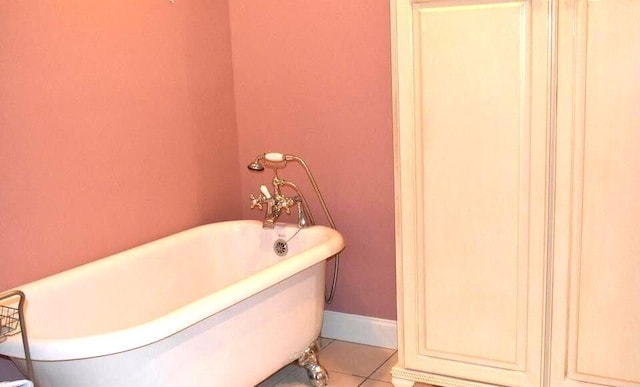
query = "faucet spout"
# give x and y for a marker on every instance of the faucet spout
(271, 216)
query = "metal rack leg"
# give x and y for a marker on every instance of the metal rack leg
(23, 328)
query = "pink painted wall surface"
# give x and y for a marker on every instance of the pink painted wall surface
(313, 78)
(117, 127)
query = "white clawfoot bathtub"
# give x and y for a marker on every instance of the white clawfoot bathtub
(210, 306)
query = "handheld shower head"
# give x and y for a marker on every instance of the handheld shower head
(257, 164)
(272, 158)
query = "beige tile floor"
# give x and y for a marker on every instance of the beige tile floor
(349, 365)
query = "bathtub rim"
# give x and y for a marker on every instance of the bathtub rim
(175, 321)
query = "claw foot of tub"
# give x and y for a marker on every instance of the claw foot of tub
(318, 375)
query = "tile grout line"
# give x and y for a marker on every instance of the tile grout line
(374, 371)
(380, 366)
(365, 378)
(325, 346)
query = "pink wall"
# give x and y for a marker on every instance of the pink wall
(314, 78)
(117, 127)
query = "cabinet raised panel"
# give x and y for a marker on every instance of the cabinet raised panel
(596, 329)
(475, 143)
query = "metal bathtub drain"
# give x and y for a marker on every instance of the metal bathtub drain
(280, 247)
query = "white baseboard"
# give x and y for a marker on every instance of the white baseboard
(360, 329)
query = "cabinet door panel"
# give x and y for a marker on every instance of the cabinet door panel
(473, 150)
(596, 329)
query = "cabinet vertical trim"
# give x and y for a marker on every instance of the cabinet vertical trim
(551, 188)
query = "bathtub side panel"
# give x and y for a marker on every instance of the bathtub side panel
(239, 346)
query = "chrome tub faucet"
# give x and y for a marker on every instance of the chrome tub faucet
(279, 202)
(275, 205)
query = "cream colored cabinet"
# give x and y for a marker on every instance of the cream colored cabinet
(596, 281)
(517, 134)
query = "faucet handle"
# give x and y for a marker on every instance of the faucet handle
(265, 191)
(264, 197)
(256, 202)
